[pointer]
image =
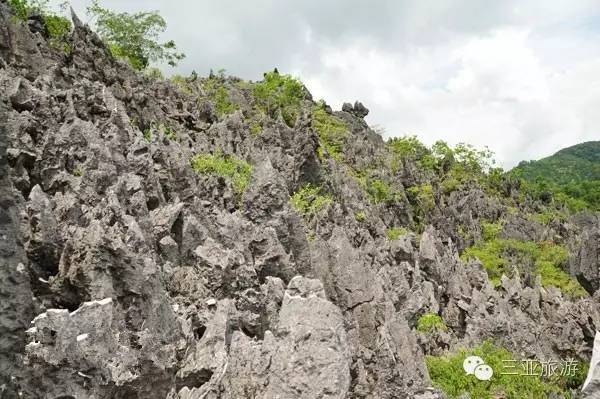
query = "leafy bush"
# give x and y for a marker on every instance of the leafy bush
(548, 216)
(546, 257)
(455, 166)
(447, 373)
(309, 201)
(161, 128)
(380, 192)
(491, 230)
(181, 82)
(218, 93)
(332, 132)
(394, 233)
(58, 27)
(410, 148)
(431, 322)
(280, 93)
(222, 102)
(256, 128)
(360, 216)
(134, 37)
(237, 171)
(423, 196)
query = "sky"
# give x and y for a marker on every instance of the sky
(521, 77)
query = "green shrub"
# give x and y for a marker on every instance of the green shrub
(134, 37)
(410, 148)
(431, 322)
(168, 131)
(281, 93)
(360, 216)
(219, 95)
(223, 104)
(447, 373)
(547, 258)
(548, 216)
(256, 128)
(58, 27)
(423, 196)
(237, 171)
(380, 192)
(309, 201)
(148, 135)
(182, 83)
(450, 184)
(491, 230)
(332, 132)
(21, 8)
(394, 233)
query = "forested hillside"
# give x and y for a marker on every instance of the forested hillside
(572, 172)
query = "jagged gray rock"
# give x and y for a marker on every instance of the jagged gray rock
(153, 281)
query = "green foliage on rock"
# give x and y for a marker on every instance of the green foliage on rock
(393, 233)
(491, 230)
(379, 191)
(499, 256)
(548, 216)
(454, 166)
(409, 148)
(332, 132)
(238, 171)
(360, 216)
(309, 200)
(280, 93)
(217, 91)
(423, 196)
(135, 37)
(431, 322)
(447, 373)
(57, 27)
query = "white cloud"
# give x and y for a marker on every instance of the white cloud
(520, 76)
(493, 89)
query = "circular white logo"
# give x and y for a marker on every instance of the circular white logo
(471, 363)
(476, 366)
(483, 372)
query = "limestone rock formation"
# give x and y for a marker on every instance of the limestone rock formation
(124, 273)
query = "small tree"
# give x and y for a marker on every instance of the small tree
(134, 37)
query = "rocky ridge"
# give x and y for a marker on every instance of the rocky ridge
(127, 274)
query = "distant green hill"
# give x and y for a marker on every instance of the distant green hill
(572, 172)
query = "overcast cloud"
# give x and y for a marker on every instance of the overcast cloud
(522, 77)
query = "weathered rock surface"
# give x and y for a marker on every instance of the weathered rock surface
(124, 274)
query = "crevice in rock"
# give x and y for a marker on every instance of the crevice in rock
(195, 379)
(199, 331)
(152, 203)
(177, 230)
(360, 303)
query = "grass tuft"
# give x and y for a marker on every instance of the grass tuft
(237, 171)
(309, 201)
(431, 322)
